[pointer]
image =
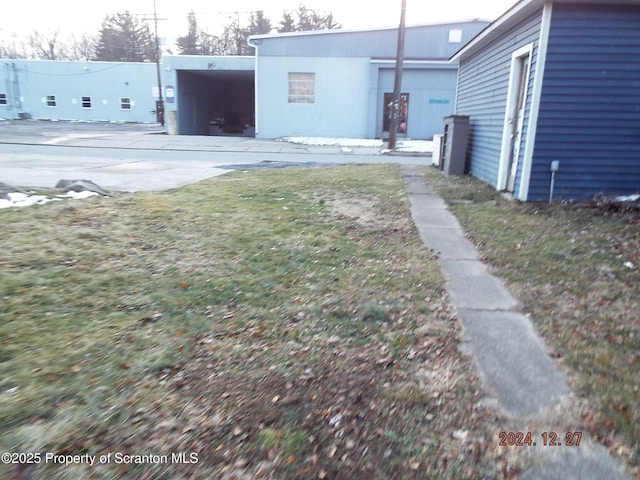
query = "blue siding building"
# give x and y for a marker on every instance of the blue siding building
(555, 83)
(86, 91)
(337, 83)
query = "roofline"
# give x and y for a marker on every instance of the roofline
(391, 61)
(516, 13)
(231, 57)
(83, 62)
(267, 36)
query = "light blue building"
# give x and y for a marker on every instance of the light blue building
(86, 91)
(338, 83)
(552, 91)
(333, 83)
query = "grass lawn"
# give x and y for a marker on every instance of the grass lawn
(566, 263)
(269, 324)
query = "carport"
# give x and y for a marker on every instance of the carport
(210, 95)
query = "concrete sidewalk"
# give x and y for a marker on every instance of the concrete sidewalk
(510, 356)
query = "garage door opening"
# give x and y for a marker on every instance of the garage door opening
(218, 102)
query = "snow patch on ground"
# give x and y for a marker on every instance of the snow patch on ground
(17, 199)
(346, 144)
(417, 146)
(628, 198)
(333, 142)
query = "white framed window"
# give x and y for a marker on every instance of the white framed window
(3, 98)
(51, 100)
(86, 102)
(125, 103)
(302, 87)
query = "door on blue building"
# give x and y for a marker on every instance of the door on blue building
(517, 121)
(404, 113)
(515, 118)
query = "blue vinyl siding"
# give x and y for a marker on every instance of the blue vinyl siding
(483, 84)
(589, 116)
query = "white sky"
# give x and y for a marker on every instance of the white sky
(22, 17)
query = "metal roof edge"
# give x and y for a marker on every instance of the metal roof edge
(390, 61)
(174, 55)
(268, 36)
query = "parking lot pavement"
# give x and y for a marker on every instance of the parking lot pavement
(134, 157)
(143, 137)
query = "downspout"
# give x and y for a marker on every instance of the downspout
(7, 87)
(254, 43)
(16, 89)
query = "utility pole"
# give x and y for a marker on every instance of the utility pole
(160, 101)
(397, 85)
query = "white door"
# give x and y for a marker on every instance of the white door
(514, 118)
(517, 121)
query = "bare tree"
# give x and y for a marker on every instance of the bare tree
(47, 45)
(235, 38)
(210, 44)
(12, 50)
(82, 47)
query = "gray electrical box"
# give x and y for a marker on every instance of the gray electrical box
(454, 144)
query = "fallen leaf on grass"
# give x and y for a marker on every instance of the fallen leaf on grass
(154, 317)
(460, 435)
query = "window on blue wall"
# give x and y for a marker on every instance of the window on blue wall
(302, 87)
(3, 98)
(86, 102)
(51, 100)
(125, 103)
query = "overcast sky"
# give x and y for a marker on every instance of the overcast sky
(19, 18)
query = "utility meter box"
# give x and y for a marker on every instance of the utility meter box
(454, 144)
